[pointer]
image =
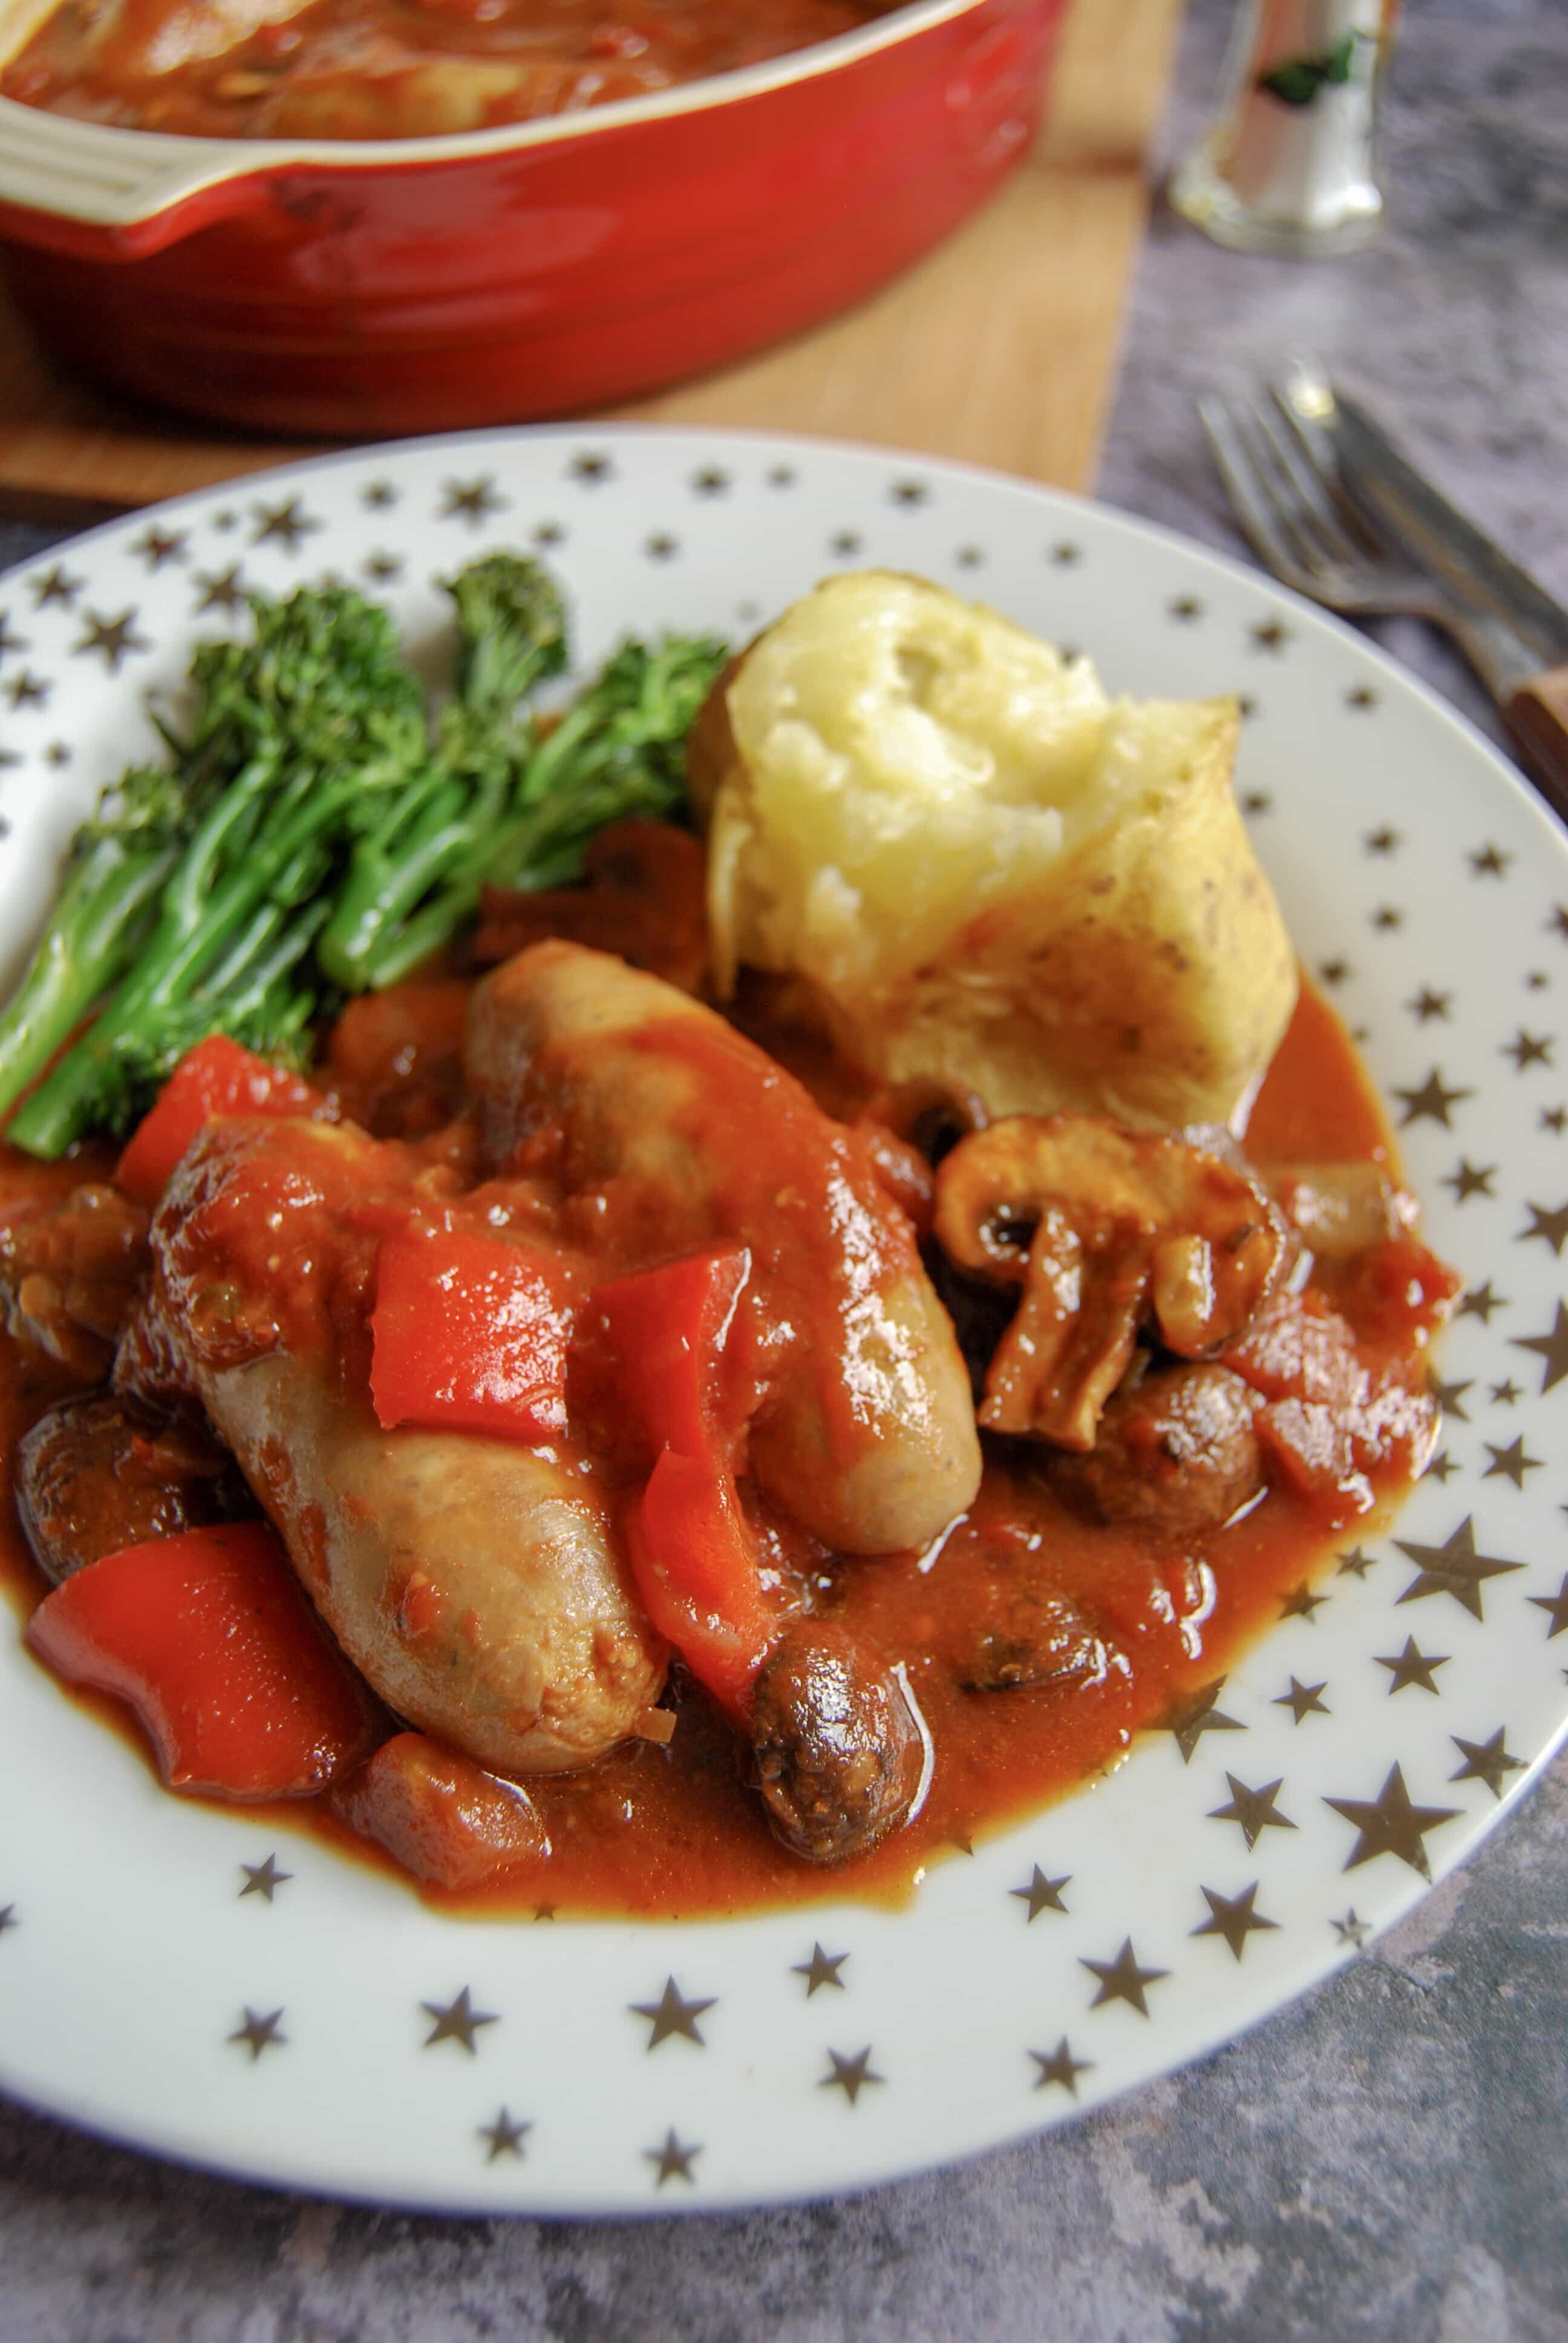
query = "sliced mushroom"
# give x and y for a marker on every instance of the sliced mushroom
(1104, 1230)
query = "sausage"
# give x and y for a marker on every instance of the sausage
(474, 1582)
(839, 1755)
(651, 1109)
(1023, 1640)
(97, 1475)
(1175, 1454)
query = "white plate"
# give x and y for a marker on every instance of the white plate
(1216, 1872)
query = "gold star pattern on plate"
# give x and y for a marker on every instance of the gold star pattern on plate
(1549, 1222)
(1485, 1761)
(1257, 801)
(1387, 917)
(851, 2076)
(1428, 1004)
(710, 481)
(1333, 971)
(1301, 1603)
(227, 591)
(263, 1879)
(8, 641)
(1550, 1348)
(54, 586)
(1430, 1102)
(8, 1917)
(1232, 1917)
(1356, 1561)
(969, 557)
(1351, 1931)
(1271, 634)
(381, 569)
(1380, 841)
(1254, 1811)
(1489, 862)
(781, 476)
(1505, 1393)
(548, 533)
(1123, 1979)
(672, 2014)
(1197, 1714)
(1391, 1823)
(157, 546)
(821, 1969)
(378, 495)
(844, 544)
(287, 524)
(259, 2032)
(1185, 608)
(1363, 698)
(1479, 1302)
(1452, 1568)
(112, 639)
(1412, 1666)
(457, 2021)
(1042, 1895)
(908, 493)
(1512, 1461)
(673, 2161)
(1060, 2066)
(1441, 1467)
(1064, 553)
(1450, 1397)
(1553, 1118)
(471, 500)
(1528, 1049)
(28, 690)
(662, 546)
(504, 2135)
(1555, 1607)
(1469, 1180)
(1304, 1700)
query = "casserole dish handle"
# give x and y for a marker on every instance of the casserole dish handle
(106, 193)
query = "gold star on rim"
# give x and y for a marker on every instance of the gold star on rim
(28, 690)
(1303, 1700)
(781, 476)
(1512, 1461)
(1064, 553)
(113, 639)
(1122, 1979)
(1387, 917)
(1553, 1118)
(1430, 1102)
(710, 481)
(1060, 2066)
(1506, 1393)
(1485, 1761)
(1380, 841)
(1269, 636)
(504, 2135)
(672, 2161)
(1550, 1224)
(224, 592)
(1232, 1917)
(1528, 1049)
(1356, 1561)
(54, 586)
(287, 523)
(1361, 697)
(1391, 1825)
(1441, 1467)
(1186, 607)
(1452, 1568)
(821, 1969)
(1479, 1302)
(157, 546)
(663, 548)
(259, 2033)
(471, 500)
(1555, 1607)
(1489, 862)
(1333, 971)
(1197, 1714)
(671, 2014)
(846, 543)
(1253, 1810)
(1351, 1931)
(8, 641)
(381, 569)
(378, 495)
(1412, 1666)
(1468, 1179)
(456, 2021)
(549, 532)
(8, 1917)
(969, 557)
(1428, 1003)
(1450, 1397)
(1302, 1604)
(1257, 801)
(1042, 1895)
(909, 492)
(1550, 1348)
(263, 1878)
(851, 2076)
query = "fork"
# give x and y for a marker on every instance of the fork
(1304, 526)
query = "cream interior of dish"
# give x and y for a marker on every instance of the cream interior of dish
(986, 869)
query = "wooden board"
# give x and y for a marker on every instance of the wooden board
(1000, 348)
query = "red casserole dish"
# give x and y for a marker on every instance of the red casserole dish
(365, 288)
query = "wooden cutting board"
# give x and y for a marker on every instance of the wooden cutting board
(1000, 348)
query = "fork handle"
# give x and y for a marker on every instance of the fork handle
(1536, 714)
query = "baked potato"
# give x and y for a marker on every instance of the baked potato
(983, 868)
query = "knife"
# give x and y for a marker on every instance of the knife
(1477, 575)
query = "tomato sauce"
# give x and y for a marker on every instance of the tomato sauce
(391, 68)
(673, 1830)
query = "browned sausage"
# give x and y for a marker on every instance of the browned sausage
(1175, 1454)
(97, 1475)
(839, 1754)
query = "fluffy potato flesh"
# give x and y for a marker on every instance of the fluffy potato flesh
(986, 871)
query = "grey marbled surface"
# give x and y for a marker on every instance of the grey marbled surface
(1385, 2159)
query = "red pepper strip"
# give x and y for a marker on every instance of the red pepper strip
(211, 1640)
(440, 1815)
(664, 1334)
(470, 1334)
(695, 1568)
(691, 1553)
(217, 1078)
